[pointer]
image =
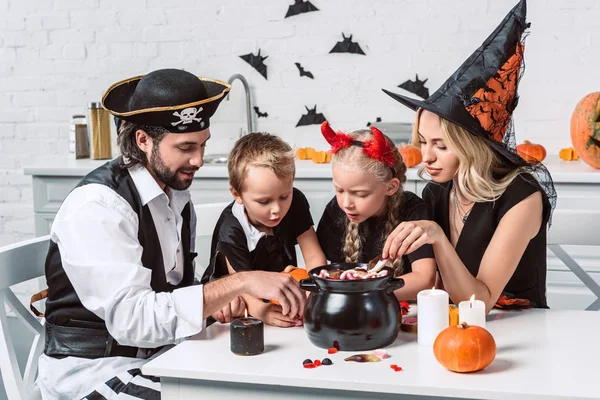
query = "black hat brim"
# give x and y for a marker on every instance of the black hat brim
(117, 100)
(414, 104)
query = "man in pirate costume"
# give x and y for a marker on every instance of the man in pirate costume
(120, 268)
(491, 207)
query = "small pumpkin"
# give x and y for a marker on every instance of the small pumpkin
(305, 153)
(410, 154)
(464, 348)
(297, 273)
(585, 129)
(321, 157)
(568, 154)
(531, 152)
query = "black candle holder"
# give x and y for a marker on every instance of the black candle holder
(247, 336)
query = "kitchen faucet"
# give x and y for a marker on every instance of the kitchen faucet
(248, 101)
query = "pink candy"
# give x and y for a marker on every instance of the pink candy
(381, 353)
(323, 274)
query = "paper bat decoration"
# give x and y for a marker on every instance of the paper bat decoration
(311, 117)
(300, 7)
(347, 46)
(303, 72)
(417, 87)
(257, 62)
(378, 120)
(260, 114)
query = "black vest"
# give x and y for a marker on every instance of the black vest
(70, 326)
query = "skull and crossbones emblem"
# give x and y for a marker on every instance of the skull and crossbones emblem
(187, 116)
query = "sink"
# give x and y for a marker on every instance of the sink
(216, 158)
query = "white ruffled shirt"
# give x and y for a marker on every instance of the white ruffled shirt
(96, 232)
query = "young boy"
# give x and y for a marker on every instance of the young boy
(259, 230)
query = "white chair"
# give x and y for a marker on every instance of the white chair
(207, 216)
(575, 227)
(19, 263)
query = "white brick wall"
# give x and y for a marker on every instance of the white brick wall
(57, 55)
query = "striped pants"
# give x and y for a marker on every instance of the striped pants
(128, 385)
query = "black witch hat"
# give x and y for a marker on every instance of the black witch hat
(171, 98)
(482, 94)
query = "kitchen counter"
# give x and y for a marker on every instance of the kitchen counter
(561, 171)
(541, 354)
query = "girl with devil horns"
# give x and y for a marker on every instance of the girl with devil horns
(368, 173)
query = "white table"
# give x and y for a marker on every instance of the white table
(541, 354)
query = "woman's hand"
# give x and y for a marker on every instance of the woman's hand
(409, 236)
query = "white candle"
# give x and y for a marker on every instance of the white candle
(432, 315)
(472, 312)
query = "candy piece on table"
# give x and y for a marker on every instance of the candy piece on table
(307, 361)
(507, 301)
(395, 367)
(332, 350)
(381, 353)
(404, 307)
(361, 358)
(317, 363)
(409, 325)
(326, 361)
(309, 365)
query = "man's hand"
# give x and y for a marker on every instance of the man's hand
(230, 311)
(280, 287)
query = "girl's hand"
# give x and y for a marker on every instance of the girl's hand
(409, 236)
(272, 314)
(232, 310)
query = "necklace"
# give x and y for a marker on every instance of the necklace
(463, 215)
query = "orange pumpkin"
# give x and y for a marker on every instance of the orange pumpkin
(464, 348)
(531, 152)
(568, 154)
(585, 129)
(321, 157)
(305, 153)
(410, 154)
(297, 273)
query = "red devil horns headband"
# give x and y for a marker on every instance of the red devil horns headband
(377, 148)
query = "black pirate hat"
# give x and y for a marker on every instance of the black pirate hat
(482, 94)
(171, 98)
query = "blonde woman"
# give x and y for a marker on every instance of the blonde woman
(490, 213)
(368, 173)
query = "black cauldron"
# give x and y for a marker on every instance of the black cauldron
(357, 314)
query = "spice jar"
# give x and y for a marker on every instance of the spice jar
(78, 137)
(99, 129)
